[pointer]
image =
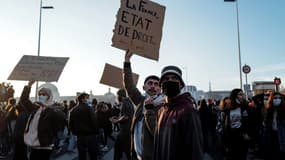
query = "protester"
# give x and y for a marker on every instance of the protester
(178, 134)
(12, 114)
(205, 113)
(123, 141)
(5, 146)
(43, 124)
(221, 131)
(237, 126)
(65, 107)
(116, 110)
(275, 127)
(104, 126)
(20, 148)
(147, 105)
(258, 129)
(83, 124)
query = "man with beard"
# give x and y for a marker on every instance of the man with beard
(147, 105)
(178, 133)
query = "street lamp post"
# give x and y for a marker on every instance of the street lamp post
(239, 54)
(39, 40)
(246, 69)
(238, 34)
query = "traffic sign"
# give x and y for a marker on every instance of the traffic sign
(246, 69)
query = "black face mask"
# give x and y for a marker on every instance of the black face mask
(171, 88)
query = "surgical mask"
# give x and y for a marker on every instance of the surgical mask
(171, 88)
(238, 101)
(43, 99)
(88, 101)
(158, 99)
(276, 102)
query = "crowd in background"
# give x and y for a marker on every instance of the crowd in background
(230, 128)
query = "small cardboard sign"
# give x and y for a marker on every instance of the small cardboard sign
(38, 68)
(113, 76)
(139, 27)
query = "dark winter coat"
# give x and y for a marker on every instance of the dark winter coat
(178, 135)
(149, 118)
(51, 121)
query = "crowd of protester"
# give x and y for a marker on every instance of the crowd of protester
(161, 124)
(234, 126)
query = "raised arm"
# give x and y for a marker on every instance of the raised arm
(132, 90)
(24, 99)
(128, 56)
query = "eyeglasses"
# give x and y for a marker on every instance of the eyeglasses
(240, 94)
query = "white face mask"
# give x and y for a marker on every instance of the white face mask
(43, 99)
(158, 99)
(88, 101)
(276, 102)
(238, 101)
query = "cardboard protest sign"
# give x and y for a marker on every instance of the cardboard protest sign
(38, 68)
(113, 76)
(139, 27)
